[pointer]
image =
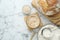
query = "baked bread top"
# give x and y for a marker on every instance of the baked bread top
(47, 4)
(33, 21)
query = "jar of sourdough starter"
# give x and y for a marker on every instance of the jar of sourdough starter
(48, 7)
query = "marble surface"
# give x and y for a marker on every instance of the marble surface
(12, 24)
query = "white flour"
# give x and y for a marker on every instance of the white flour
(56, 35)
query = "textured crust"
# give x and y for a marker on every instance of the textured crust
(34, 4)
(31, 27)
(54, 19)
(47, 4)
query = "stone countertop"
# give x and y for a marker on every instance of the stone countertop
(12, 24)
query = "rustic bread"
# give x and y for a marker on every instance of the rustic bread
(54, 8)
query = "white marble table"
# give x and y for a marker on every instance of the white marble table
(12, 24)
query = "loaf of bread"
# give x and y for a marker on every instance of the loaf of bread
(50, 8)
